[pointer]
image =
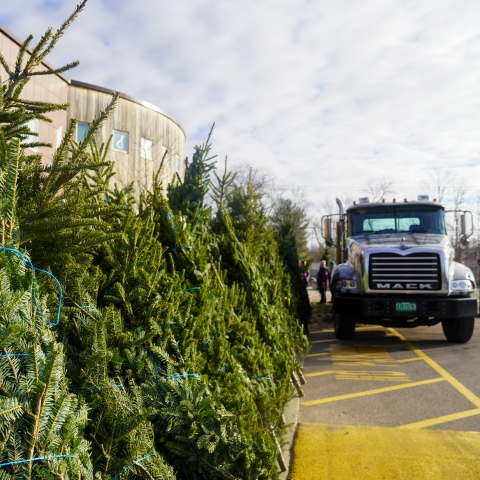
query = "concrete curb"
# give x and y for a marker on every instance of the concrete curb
(291, 418)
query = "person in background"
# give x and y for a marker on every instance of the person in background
(322, 281)
(305, 273)
(330, 274)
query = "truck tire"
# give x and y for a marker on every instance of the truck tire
(458, 330)
(344, 326)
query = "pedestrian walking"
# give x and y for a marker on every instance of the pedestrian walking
(322, 281)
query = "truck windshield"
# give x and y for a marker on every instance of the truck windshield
(393, 219)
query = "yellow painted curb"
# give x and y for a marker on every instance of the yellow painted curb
(340, 452)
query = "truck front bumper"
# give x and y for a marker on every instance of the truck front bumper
(386, 306)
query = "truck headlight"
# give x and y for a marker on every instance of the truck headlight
(463, 285)
(345, 284)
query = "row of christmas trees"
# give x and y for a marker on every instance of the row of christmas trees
(151, 337)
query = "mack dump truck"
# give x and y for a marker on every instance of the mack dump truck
(398, 269)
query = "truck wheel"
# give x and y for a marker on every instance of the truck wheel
(458, 330)
(344, 326)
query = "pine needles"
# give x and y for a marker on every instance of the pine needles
(179, 325)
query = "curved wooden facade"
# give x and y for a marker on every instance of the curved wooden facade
(144, 134)
(138, 120)
(45, 88)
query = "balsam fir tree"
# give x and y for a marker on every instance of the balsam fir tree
(41, 422)
(176, 328)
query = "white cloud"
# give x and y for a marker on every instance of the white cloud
(322, 93)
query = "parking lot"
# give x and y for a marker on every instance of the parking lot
(389, 403)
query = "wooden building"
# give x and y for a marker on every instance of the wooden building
(142, 133)
(46, 88)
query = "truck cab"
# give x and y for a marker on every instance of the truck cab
(398, 270)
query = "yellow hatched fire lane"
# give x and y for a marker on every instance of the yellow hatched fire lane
(409, 451)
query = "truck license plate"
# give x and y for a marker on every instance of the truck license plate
(406, 307)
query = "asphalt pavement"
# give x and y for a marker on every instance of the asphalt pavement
(390, 403)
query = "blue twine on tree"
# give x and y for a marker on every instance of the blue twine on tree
(85, 307)
(15, 75)
(205, 344)
(183, 375)
(262, 378)
(191, 288)
(37, 459)
(133, 464)
(18, 355)
(27, 262)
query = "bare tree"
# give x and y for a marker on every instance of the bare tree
(379, 187)
(459, 190)
(436, 182)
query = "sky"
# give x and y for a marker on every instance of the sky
(325, 95)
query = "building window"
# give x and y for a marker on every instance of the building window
(166, 156)
(59, 136)
(146, 148)
(34, 127)
(120, 141)
(82, 131)
(177, 163)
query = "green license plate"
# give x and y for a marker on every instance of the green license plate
(406, 307)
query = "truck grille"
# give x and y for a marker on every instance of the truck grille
(417, 271)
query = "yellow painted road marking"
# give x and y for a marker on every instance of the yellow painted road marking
(317, 354)
(344, 452)
(444, 419)
(406, 360)
(440, 370)
(361, 355)
(319, 374)
(377, 375)
(371, 392)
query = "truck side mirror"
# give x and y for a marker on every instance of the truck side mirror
(463, 225)
(327, 231)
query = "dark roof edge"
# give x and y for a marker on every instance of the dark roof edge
(19, 42)
(151, 106)
(425, 203)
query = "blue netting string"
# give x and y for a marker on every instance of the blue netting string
(3, 355)
(50, 457)
(27, 262)
(15, 75)
(133, 464)
(183, 375)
